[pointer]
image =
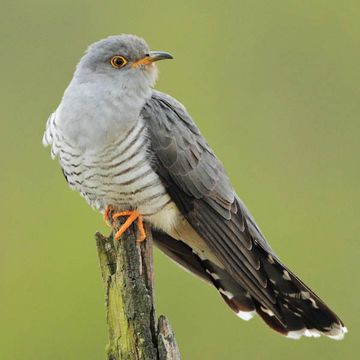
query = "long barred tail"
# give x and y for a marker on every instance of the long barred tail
(299, 311)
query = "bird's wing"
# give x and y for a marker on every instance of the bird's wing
(199, 185)
(252, 276)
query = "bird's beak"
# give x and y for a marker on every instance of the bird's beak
(151, 57)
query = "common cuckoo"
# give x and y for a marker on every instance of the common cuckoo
(127, 147)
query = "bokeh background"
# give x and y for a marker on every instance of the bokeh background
(274, 87)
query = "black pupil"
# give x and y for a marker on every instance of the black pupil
(119, 61)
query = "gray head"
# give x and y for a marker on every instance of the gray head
(124, 58)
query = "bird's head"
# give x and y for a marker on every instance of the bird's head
(126, 59)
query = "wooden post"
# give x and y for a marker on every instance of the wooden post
(127, 274)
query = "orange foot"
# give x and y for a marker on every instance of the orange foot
(133, 215)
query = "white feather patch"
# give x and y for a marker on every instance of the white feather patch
(267, 311)
(213, 275)
(336, 333)
(286, 275)
(245, 315)
(339, 335)
(228, 294)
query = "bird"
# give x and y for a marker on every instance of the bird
(136, 153)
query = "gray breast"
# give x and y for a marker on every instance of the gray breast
(119, 174)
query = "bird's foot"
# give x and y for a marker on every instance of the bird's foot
(133, 215)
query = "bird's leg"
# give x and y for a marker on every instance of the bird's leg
(140, 225)
(132, 216)
(108, 210)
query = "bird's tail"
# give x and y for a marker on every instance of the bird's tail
(300, 312)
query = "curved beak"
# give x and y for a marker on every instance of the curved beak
(152, 57)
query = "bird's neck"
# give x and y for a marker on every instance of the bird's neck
(94, 115)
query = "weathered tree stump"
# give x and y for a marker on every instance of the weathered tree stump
(127, 273)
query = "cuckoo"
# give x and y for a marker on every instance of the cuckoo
(134, 152)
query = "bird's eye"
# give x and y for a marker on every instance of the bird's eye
(118, 61)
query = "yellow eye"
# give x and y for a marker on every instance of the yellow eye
(118, 61)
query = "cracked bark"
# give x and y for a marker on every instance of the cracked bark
(127, 274)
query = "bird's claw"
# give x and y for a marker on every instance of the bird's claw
(133, 215)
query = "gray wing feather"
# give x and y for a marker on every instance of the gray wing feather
(199, 185)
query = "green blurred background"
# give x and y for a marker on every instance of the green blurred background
(274, 87)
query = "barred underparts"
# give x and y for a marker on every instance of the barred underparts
(121, 143)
